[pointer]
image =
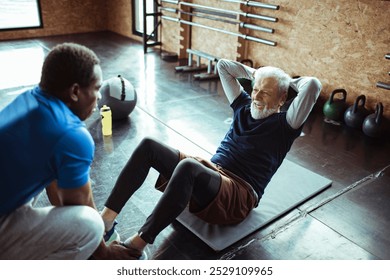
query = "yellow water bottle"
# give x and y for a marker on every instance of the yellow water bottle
(105, 113)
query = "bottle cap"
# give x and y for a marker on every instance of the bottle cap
(105, 108)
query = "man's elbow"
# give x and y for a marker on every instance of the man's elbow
(222, 64)
(315, 84)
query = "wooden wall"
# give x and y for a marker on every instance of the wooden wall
(119, 17)
(65, 17)
(79, 16)
(343, 43)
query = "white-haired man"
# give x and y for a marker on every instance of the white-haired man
(224, 189)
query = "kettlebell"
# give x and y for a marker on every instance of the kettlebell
(334, 109)
(354, 116)
(373, 124)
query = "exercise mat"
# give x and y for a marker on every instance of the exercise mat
(290, 186)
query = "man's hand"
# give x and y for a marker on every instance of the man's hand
(115, 251)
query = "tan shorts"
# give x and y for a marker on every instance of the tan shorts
(234, 201)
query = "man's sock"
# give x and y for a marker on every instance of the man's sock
(108, 225)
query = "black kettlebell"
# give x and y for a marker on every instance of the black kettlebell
(334, 108)
(373, 124)
(354, 116)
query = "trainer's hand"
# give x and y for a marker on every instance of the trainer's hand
(115, 251)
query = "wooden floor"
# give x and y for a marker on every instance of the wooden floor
(350, 220)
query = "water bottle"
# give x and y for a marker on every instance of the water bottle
(105, 113)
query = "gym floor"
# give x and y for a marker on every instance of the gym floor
(350, 220)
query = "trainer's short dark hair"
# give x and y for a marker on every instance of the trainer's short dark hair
(66, 64)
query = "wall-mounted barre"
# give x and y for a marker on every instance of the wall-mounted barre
(241, 24)
(248, 15)
(247, 3)
(170, 1)
(383, 85)
(245, 37)
(254, 4)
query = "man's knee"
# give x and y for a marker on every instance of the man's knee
(91, 222)
(89, 229)
(188, 166)
(147, 143)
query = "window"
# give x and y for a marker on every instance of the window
(138, 18)
(18, 14)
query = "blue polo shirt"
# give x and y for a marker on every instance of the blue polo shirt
(254, 149)
(41, 140)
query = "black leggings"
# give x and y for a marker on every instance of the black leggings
(188, 179)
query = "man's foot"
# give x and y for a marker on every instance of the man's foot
(112, 235)
(143, 257)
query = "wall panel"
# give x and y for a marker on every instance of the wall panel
(65, 17)
(343, 43)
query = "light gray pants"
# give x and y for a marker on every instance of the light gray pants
(69, 232)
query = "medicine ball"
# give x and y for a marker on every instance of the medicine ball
(120, 95)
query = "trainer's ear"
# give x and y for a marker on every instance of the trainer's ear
(74, 92)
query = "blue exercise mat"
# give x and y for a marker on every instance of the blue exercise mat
(291, 185)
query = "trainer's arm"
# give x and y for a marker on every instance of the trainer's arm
(75, 196)
(229, 71)
(308, 89)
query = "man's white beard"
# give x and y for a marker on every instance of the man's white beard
(258, 114)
